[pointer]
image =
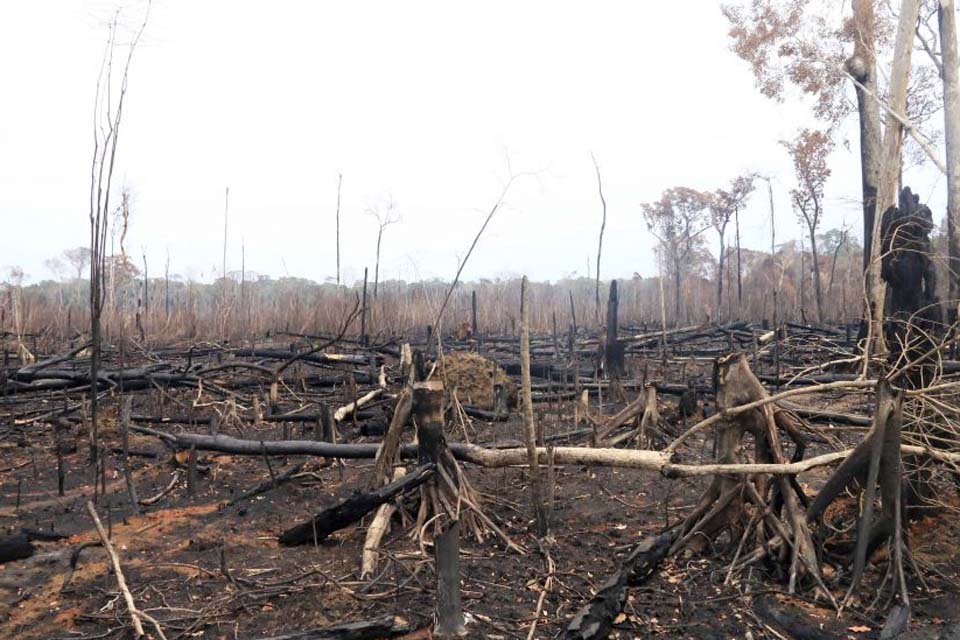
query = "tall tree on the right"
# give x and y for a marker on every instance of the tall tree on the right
(808, 45)
(950, 71)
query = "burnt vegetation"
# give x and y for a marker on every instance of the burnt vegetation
(751, 443)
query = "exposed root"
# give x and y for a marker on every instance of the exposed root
(730, 501)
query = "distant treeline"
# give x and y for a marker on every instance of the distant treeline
(240, 307)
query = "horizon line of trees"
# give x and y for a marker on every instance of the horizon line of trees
(240, 307)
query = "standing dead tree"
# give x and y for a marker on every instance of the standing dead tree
(912, 319)
(142, 317)
(386, 216)
(724, 506)
(950, 70)
(473, 245)
(224, 308)
(809, 151)
(603, 226)
(107, 116)
(889, 171)
(339, 185)
(530, 428)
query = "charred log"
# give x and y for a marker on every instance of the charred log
(352, 509)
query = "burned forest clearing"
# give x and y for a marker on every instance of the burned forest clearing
(742, 420)
(266, 490)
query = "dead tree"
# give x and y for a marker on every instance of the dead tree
(107, 116)
(862, 69)
(364, 338)
(889, 166)
(428, 413)
(947, 18)
(473, 245)
(613, 349)
(536, 485)
(913, 318)
(912, 309)
(450, 495)
(877, 457)
(730, 503)
(838, 238)
(385, 216)
(223, 272)
(339, 185)
(603, 226)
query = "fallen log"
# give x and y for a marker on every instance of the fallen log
(340, 414)
(384, 627)
(314, 358)
(824, 378)
(266, 485)
(31, 369)
(799, 626)
(375, 532)
(629, 412)
(594, 620)
(819, 415)
(352, 509)
(660, 461)
(483, 414)
(15, 547)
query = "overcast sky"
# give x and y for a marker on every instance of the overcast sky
(430, 103)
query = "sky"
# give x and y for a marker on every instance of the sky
(430, 105)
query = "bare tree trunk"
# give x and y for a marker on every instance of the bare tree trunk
(833, 265)
(146, 290)
(146, 302)
(536, 489)
(573, 314)
(243, 287)
(473, 314)
(803, 282)
(166, 286)
(363, 312)
(376, 265)
(677, 279)
(817, 290)
(223, 272)
(947, 14)
(720, 278)
(106, 128)
(603, 224)
(613, 349)
(863, 67)
(339, 184)
(889, 170)
(736, 217)
(449, 610)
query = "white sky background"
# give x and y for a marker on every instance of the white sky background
(421, 100)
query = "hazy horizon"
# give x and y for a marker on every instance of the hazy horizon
(425, 103)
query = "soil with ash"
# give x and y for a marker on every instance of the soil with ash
(472, 377)
(210, 570)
